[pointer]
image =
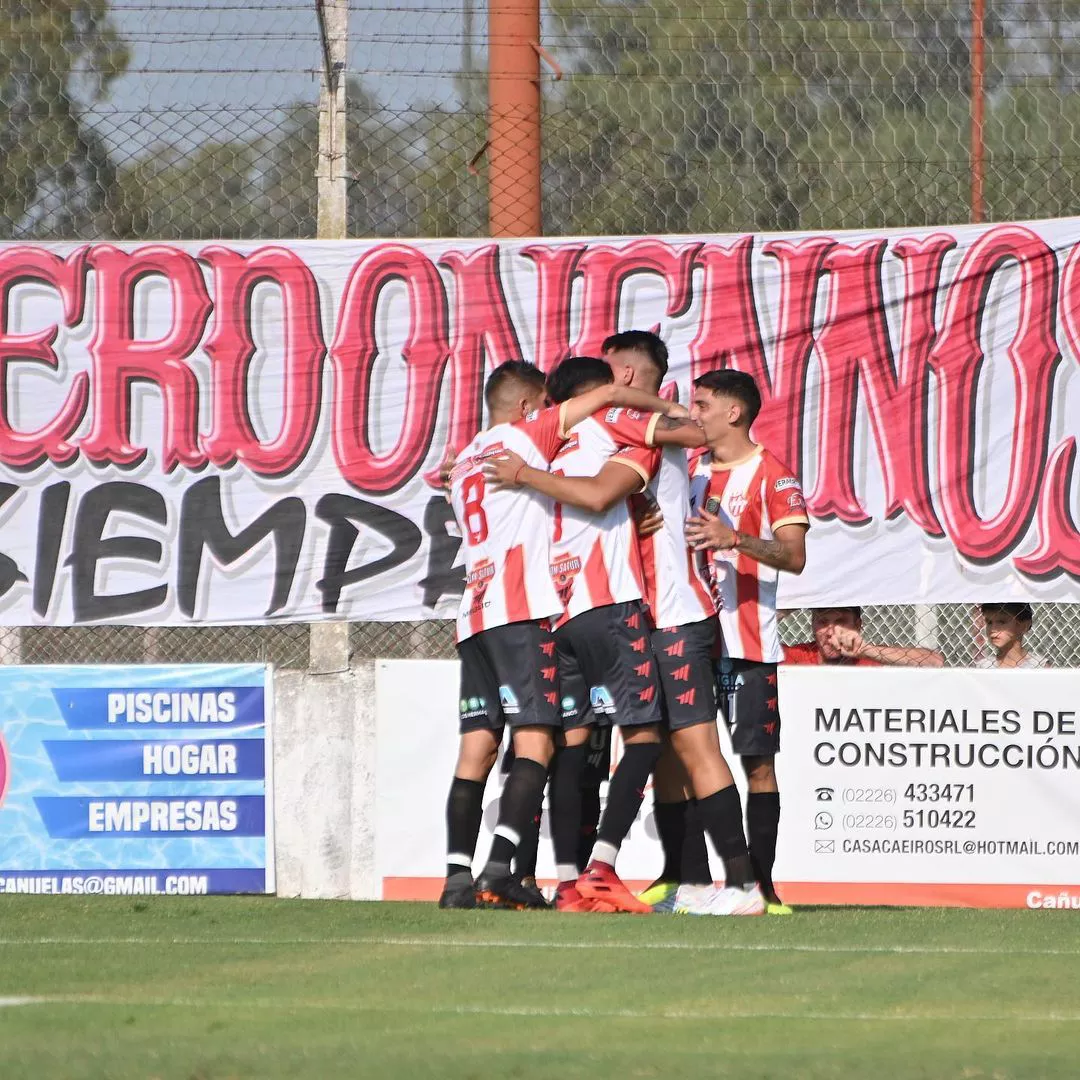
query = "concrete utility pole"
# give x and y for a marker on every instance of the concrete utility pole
(328, 642)
(332, 166)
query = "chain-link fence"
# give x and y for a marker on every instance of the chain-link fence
(191, 119)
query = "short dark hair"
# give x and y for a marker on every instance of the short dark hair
(735, 384)
(1022, 612)
(642, 341)
(849, 609)
(575, 375)
(512, 371)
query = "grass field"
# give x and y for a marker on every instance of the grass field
(228, 987)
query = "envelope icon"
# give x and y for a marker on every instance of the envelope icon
(825, 847)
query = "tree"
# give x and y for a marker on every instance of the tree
(57, 58)
(718, 115)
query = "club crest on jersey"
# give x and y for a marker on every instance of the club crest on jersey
(564, 568)
(508, 701)
(478, 579)
(601, 700)
(736, 504)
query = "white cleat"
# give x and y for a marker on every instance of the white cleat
(693, 899)
(732, 900)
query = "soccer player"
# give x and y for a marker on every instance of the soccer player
(751, 517)
(838, 639)
(685, 629)
(694, 789)
(508, 670)
(604, 643)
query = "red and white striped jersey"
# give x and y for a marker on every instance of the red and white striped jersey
(505, 531)
(676, 588)
(594, 557)
(754, 496)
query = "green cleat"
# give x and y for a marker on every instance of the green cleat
(660, 896)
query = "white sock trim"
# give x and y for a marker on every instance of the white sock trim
(458, 858)
(508, 834)
(566, 872)
(605, 852)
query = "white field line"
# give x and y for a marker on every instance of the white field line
(630, 946)
(546, 1011)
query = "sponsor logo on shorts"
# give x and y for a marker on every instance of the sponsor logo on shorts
(601, 700)
(470, 708)
(508, 701)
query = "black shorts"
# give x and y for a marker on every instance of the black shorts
(685, 661)
(609, 648)
(747, 694)
(508, 676)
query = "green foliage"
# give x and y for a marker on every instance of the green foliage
(57, 57)
(727, 115)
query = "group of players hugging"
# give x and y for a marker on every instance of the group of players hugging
(622, 556)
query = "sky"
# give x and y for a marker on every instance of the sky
(200, 67)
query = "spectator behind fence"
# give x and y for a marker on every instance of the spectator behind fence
(838, 639)
(1006, 625)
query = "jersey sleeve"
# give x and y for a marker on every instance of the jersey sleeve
(783, 496)
(628, 427)
(643, 461)
(544, 429)
(802, 654)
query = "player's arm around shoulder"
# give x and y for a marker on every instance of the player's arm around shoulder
(615, 481)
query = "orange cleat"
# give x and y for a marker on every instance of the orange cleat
(567, 898)
(601, 884)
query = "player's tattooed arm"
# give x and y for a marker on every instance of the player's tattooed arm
(785, 551)
(677, 431)
(615, 481)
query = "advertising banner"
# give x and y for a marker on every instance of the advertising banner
(945, 787)
(136, 780)
(934, 787)
(242, 432)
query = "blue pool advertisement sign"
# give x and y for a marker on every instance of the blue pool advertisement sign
(131, 780)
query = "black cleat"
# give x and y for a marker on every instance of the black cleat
(532, 891)
(460, 895)
(505, 893)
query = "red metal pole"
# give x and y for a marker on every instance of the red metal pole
(514, 117)
(978, 76)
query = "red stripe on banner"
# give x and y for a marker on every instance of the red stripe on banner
(596, 577)
(747, 591)
(840, 893)
(517, 599)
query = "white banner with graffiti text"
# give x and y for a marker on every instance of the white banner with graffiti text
(898, 786)
(244, 431)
